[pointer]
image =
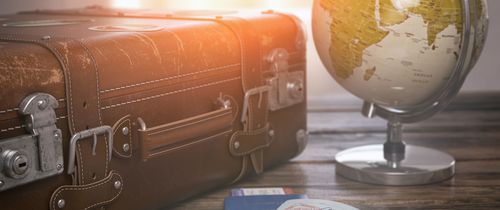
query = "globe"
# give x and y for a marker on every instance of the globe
(406, 59)
(394, 53)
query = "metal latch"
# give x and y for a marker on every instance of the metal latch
(258, 90)
(86, 134)
(287, 88)
(29, 158)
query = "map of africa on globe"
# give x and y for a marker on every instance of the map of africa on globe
(394, 53)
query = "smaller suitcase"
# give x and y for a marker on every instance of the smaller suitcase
(126, 110)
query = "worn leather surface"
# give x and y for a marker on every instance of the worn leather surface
(89, 196)
(256, 116)
(163, 77)
(82, 85)
(249, 142)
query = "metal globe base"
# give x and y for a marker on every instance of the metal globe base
(420, 166)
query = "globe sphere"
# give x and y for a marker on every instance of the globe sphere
(395, 53)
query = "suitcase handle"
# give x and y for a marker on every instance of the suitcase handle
(163, 139)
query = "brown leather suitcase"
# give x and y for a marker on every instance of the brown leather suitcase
(137, 110)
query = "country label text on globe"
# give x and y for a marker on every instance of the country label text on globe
(393, 53)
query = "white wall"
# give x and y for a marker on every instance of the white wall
(486, 75)
(13, 6)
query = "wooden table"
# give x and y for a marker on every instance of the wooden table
(469, 130)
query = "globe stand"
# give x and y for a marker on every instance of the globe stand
(394, 163)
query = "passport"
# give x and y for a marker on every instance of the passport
(305, 204)
(261, 191)
(258, 202)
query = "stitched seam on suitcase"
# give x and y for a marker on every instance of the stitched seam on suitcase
(17, 109)
(169, 93)
(169, 78)
(113, 198)
(87, 188)
(56, 53)
(23, 126)
(98, 94)
(82, 177)
(68, 73)
(96, 67)
(187, 124)
(12, 128)
(153, 154)
(9, 110)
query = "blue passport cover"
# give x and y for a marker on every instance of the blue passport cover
(259, 202)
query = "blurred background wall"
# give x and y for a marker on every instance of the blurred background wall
(12, 6)
(484, 78)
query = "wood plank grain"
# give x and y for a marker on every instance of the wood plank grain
(469, 130)
(349, 122)
(476, 184)
(463, 145)
(464, 101)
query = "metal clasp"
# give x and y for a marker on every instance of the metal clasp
(38, 155)
(86, 134)
(258, 90)
(287, 87)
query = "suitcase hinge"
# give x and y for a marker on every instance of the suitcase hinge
(29, 158)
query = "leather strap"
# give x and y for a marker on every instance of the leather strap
(245, 143)
(257, 115)
(251, 73)
(88, 196)
(82, 89)
(82, 93)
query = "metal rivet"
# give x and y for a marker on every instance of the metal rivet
(1, 183)
(126, 147)
(118, 185)
(46, 38)
(57, 135)
(271, 133)
(301, 134)
(61, 203)
(125, 131)
(227, 104)
(42, 104)
(237, 145)
(59, 167)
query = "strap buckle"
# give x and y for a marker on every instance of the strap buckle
(258, 90)
(86, 134)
